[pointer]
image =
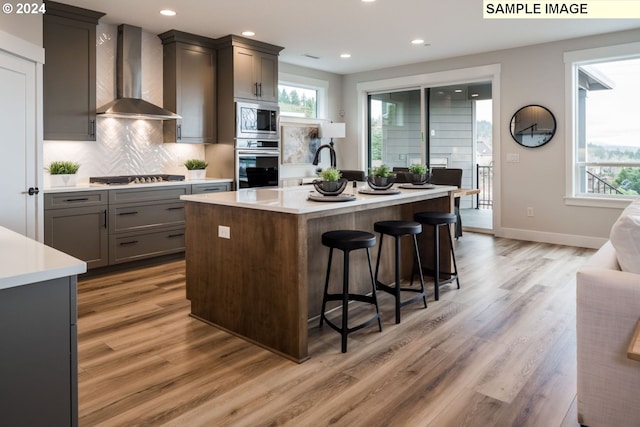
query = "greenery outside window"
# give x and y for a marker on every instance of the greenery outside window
(297, 101)
(606, 129)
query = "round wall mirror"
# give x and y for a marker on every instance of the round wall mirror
(533, 126)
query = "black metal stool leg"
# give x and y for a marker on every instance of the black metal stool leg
(453, 256)
(436, 260)
(345, 301)
(417, 260)
(397, 241)
(373, 291)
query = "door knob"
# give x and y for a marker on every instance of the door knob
(33, 190)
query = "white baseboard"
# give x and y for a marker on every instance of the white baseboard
(555, 238)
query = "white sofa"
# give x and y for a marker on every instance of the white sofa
(608, 309)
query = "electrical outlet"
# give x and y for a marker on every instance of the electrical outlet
(224, 232)
(529, 211)
(513, 158)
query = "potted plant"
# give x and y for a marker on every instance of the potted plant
(62, 173)
(196, 168)
(330, 183)
(381, 178)
(419, 173)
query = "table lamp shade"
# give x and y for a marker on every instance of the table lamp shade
(333, 130)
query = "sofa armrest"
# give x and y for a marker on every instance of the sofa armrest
(607, 310)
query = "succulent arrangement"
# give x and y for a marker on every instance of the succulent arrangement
(418, 168)
(62, 167)
(330, 174)
(195, 164)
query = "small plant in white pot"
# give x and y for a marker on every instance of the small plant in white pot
(419, 173)
(62, 173)
(196, 168)
(330, 183)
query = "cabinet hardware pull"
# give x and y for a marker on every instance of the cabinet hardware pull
(255, 92)
(105, 218)
(175, 235)
(79, 199)
(260, 87)
(175, 208)
(128, 213)
(92, 128)
(179, 132)
(33, 191)
(209, 190)
(130, 242)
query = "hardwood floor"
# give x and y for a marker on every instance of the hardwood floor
(500, 351)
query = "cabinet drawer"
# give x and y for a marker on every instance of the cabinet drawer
(134, 246)
(210, 188)
(138, 216)
(75, 199)
(147, 194)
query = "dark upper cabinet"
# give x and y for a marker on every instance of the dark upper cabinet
(69, 72)
(247, 70)
(189, 87)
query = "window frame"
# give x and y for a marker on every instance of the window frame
(573, 60)
(320, 86)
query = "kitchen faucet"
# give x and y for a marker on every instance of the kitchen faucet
(332, 154)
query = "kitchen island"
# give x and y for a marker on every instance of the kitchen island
(256, 266)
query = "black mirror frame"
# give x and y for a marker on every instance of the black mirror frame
(512, 124)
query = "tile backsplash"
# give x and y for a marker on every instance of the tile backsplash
(124, 146)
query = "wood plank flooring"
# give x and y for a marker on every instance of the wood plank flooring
(500, 351)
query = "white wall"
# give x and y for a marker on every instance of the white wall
(529, 75)
(25, 26)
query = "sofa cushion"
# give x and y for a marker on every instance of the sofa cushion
(625, 238)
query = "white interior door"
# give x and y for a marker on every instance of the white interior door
(18, 173)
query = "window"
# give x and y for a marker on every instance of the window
(296, 101)
(606, 131)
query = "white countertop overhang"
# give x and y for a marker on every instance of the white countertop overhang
(294, 200)
(24, 261)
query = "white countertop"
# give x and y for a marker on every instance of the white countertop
(87, 186)
(294, 199)
(24, 261)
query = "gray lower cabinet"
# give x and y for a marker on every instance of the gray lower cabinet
(145, 222)
(38, 360)
(76, 223)
(210, 188)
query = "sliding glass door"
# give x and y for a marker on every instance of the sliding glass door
(395, 135)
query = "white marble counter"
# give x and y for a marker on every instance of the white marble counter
(87, 186)
(294, 199)
(24, 261)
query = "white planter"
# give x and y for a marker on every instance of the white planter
(196, 174)
(62, 180)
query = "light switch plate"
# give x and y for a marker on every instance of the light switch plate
(513, 158)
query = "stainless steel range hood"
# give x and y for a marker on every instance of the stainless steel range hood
(129, 104)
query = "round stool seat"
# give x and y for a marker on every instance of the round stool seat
(348, 239)
(397, 227)
(435, 218)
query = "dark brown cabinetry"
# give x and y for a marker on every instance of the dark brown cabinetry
(76, 223)
(39, 357)
(189, 87)
(247, 70)
(69, 72)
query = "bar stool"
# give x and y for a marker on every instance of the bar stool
(346, 241)
(437, 219)
(398, 229)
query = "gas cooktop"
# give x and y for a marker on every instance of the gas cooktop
(134, 179)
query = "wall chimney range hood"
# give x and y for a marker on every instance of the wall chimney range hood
(129, 103)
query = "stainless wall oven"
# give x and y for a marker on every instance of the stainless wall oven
(257, 163)
(257, 120)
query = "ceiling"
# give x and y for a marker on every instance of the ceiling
(377, 34)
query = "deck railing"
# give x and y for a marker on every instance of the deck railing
(484, 179)
(597, 185)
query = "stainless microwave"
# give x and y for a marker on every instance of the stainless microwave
(257, 120)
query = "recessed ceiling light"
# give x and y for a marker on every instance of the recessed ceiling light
(473, 95)
(417, 41)
(368, 1)
(167, 12)
(458, 91)
(345, 55)
(248, 33)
